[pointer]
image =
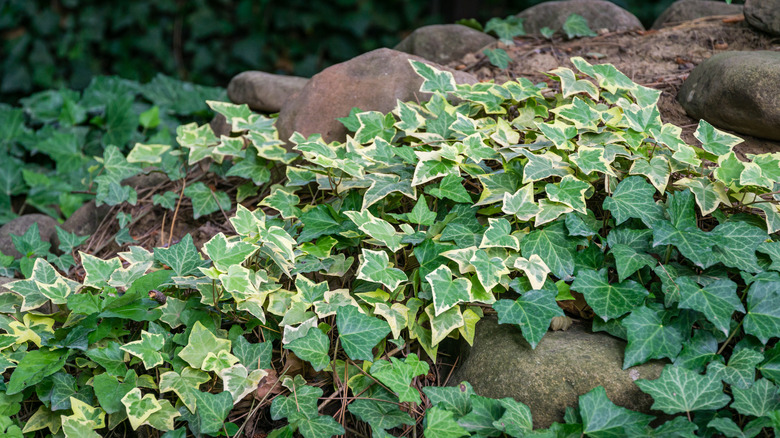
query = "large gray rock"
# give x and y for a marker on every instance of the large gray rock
(550, 378)
(18, 226)
(86, 219)
(373, 81)
(763, 15)
(686, 10)
(739, 91)
(600, 14)
(264, 92)
(443, 43)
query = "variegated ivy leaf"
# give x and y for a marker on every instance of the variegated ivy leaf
(44, 284)
(533, 312)
(98, 271)
(475, 149)
(334, 299)
(147, 348)
(729, 169)
(505, 134)
(239, 381)
(580, 113)
(489, 96)
(395, 315)
(398, 375)
(768, 163)
(147, 153)
(521, 203)
(640, 118)
(499, 235)
(570, 85)
(139, 408)
(219, 361)
(235, 114)
(592, 160)
(554, 246)
(375, 124)
(384, 184)
(570, 191)
(771, 211)
(434, 81)
(607, 76)
(377, 228)
(489, 269)
(224, 253)
(446, 291)
(656, 170)
(94, 417)
(375, 267)
(164, 418)
(42, 419)
(714, 140)
(248, 223)
(75, 428)
(709, 194)
(280, 245)
(31, 328)
(752, 175)
(243, 283)
(522, 89)
(228, 147)
(462, 256)
(184, 384)
(633, 198)
(198, 139)
(409, 118)
(608, 300)
(284, 200)
(432, 165)
(542, 166)
(559, 133)
(202, 342)
(535, 270)
(495, 185)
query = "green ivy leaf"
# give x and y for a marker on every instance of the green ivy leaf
(440, 423)
(498, 57)
(516, 420)
(484, 414)
(359, 333)
(533, 312)
(736, 245)
(212, 410)
(763, 309)
(758, 400)
(398, 375)
(553, 245)
(34, 367)
(576, 26)
(682, 390)
(375, 268)
(450, 187)
(569, 191)
(455, 399)
(109, 357)
(505, 28)
(379, 415)
(602, 418)
(692, 243)
(182, 257)
(313, 348)
(608, 300)
(629, 260)
(741, 369)
(649, 337)
(633, 198)
(717, 300)
(253, 356)
(206, 201)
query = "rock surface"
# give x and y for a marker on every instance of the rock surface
(764, 15)
(443, 43)
(563, 366)
(373, 81)
(736, 90)
(264, 92)
(600, 14)
(686, 10)
(18, 226)
(86, 219)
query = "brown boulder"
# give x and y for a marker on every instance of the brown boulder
(264, 92)
(373, 81)
(686, 10)
(764, 15)
(444, 43)
(600, 14)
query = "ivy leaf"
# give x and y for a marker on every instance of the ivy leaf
(516, 420)
(681, 390)
(446, 291)
(445, 323)
(139, 408)
(34, 367)
(717, 301)
(284, 200)
(375, 268)
(212, 410)
(576, 26)
(608, 300)
(633, 198)
(185, 384)
(736, 245)
(224, 253)
(420, 214)
(521, 203)
(629, 260)
(253, 356)
(773, 250)
(455, 399)
(570, 85)
(535, 270)
(489, 269)
(542, 166)
(109, 357)
(239, 381)
(715, 141)
(313, 348)
(569, 191)
(359, 333)
(398, 375)
(649, 337)
(763, 310)
(219, 361)
(440, 423)
(505, 28)
(692, 242)
(580, 113)
(533, 312)
(656, 169)
(709, 194)
(484, 414)
(206, 201)
(591, 160)
(758, 400)
(379, 415)
(434, 81)
(553, 245)
(182, 257)
(202, 342)
(741, 370)
(410, 119)
(377, 228)
(450, 187)
(602, 418)
(147, 348)
(374, 124)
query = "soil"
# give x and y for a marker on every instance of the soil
(660, 59)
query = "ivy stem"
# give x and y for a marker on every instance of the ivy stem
(736, 329)
(668, 254)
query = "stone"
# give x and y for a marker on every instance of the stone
(264, 92)
(373, 81)
(444, 43)
(738, 91)
(764, 15)
(565, 365)
(87, 219)
(686, 10)
(600, 14)
(18, 226)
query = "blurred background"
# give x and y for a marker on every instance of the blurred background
(64, 43)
